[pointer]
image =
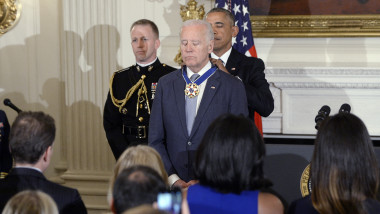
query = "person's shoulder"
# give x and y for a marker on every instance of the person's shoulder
(124, 71)
(230, 79)
(269, 204)
(250, 60)
(174, 75)
(372, 205)
(168, 67)
(61, 190)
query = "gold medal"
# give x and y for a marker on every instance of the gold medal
(191, 90)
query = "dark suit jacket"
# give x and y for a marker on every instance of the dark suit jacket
(223, 93)
(5, 155)
(251, 71)
(67, 199)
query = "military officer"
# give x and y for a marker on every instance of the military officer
(129, 101)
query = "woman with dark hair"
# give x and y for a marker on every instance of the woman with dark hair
(229, 166)
(344, 170)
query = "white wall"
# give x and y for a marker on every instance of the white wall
(61, 54)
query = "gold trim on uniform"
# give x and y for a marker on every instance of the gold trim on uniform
(141, 91)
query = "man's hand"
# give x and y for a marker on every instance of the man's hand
(181, 184)
(192, 182)
(219, 64)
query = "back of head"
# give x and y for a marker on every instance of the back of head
(344, 168)
(140, 155)
(136, 185)
(230, 156)
(31, 134)
(31, 202)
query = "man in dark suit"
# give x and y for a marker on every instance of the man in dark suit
(5, 155)
(179, 120)
(31, 143)
(132, 90)
(249, 69)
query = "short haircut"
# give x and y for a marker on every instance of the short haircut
(31, 135)
(344, 168)
(135, 186)
(209, 31)
(228, 14)
(230, 156)
(31, 202)
(147, 22)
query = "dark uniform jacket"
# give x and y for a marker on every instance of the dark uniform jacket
(128, 125)
(5, 156)
(67, 199)
(251, 71)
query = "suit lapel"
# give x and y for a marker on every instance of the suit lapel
(179, 87)
(212, 86)
(233, 61)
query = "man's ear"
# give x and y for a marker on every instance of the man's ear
(211, 47)
(47, 154)
(235, 31)
(157, 44)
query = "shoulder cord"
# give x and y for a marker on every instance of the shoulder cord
(121, 103)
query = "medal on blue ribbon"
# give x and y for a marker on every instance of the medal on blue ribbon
(192, 88)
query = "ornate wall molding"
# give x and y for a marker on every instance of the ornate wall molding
(10, 11)
(316, 26)
(300, 92)
(323, 71)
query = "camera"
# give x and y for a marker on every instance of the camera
(170, 202)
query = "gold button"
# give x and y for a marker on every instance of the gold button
(124, 111)
(141, 105)
(143, 76)
(141, 119)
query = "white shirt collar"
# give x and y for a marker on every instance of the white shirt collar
(29, 167)
(224, 57)
(201, 72)
(144, 65)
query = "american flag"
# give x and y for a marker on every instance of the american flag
(243, 42)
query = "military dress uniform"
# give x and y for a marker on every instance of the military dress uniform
(129, 102)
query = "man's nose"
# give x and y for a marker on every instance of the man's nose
(140, 43)
(189, 48)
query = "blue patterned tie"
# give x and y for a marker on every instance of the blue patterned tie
(191, 106)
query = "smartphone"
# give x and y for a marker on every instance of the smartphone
(170, 202)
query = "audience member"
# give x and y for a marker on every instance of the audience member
(185, 106)
(138, 155)
(249, 69)
(229, 166)
(31, 144)
(135, 186)
(132, 90)
(30, 202)
(344, 170)
(5, 155)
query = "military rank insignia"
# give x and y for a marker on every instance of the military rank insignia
(153, 89)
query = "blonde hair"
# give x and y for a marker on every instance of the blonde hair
(31, 202)
(138, 155)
